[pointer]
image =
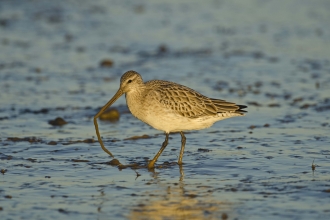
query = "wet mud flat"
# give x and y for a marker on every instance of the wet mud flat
(61, 62)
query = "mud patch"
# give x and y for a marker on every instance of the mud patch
(65, 59)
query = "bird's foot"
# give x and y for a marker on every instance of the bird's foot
(151, 165)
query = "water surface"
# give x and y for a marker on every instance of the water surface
(270, 55)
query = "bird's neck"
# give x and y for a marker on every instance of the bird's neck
(134, 99)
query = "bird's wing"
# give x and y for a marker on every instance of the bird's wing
(188, 102)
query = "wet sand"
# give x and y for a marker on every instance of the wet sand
(60, 62)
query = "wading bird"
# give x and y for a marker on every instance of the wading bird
(169, 107)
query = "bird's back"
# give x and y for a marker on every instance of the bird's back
(189, 103)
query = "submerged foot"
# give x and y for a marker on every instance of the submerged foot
(151, 164)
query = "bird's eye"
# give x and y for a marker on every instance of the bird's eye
(129, 81)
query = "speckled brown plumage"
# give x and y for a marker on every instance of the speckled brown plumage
(189, 103)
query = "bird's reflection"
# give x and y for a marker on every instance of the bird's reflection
(135, 166)
(176, 201)
(181, 172)
(154, 174)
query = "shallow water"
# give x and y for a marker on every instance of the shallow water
(271, 56)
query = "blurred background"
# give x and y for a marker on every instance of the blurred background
(64, 59)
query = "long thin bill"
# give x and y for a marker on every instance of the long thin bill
(112, 100)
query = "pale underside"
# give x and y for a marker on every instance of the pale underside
(172, 107)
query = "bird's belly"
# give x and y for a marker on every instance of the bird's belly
(174, 123)
(167, 123)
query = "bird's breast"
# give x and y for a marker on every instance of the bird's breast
(134, 102)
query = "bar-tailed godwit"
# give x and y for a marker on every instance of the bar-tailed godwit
(169, 107)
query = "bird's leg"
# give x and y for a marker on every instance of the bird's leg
(183, 143)
(153, 161)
